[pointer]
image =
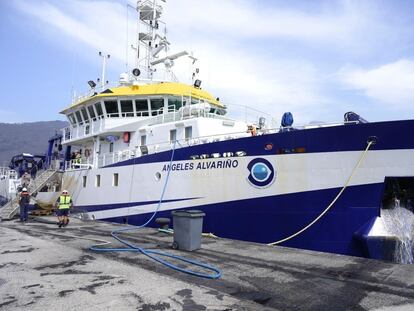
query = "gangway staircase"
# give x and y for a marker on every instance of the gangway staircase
(8, 211)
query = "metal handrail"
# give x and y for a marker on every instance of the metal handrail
(126, 154)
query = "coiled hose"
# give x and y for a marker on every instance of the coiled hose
(216, 273)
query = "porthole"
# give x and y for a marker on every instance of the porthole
(240, 153)
(157, 176)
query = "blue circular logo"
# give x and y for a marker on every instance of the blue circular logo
(261, 171)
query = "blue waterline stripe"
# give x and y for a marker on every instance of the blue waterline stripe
(102, 207)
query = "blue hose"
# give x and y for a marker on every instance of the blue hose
(151, 253)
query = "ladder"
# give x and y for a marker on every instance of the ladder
(8, 211)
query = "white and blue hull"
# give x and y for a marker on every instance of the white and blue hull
(304, 171)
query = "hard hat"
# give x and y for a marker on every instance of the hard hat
(24, 189)
(64, 191)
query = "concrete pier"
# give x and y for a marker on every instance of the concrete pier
(43, 267)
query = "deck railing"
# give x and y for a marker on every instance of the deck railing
(93, 127)
(99, 125)
(101, 160)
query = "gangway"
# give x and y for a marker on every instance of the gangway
(8, 211)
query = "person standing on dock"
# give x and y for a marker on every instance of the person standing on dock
(64, 203)
(24, 205)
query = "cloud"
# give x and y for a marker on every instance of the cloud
(270, 56)
(271, 85)
(335, 25)
(243, 19)
(391, 83)
(240, 75)
(98, 25)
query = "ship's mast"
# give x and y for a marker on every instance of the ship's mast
(152, 40)
(150, 43)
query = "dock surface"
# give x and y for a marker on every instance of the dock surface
(43, 267)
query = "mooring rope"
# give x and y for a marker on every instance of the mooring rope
(362, 157)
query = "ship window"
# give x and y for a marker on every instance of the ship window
(84, 114)
(158, 176)
(194, 101)
(173, 135)
(188, 132)
(84, 181)
(111, 107)
(144, 150)
(78, 117)
(98, 108)
(221, 111)
(143, 140)
(72, 119)
(174, 103)
(156, 105)
(91, 112)
(141, 107)
(126, 108)
(115, 180)
(111, 147)
(97, 180)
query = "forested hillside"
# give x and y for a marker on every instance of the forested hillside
(32, 138)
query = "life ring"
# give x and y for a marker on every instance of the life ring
(87, 153)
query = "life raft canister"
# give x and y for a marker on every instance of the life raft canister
(126, 136)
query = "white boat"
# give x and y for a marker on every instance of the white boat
(318, 186)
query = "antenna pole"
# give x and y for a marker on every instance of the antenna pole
(138, 30)
(105, 57)
(127, 39)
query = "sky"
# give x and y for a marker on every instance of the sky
(316, 59)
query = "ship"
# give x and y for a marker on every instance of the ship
(9, 183)
(150, 138)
